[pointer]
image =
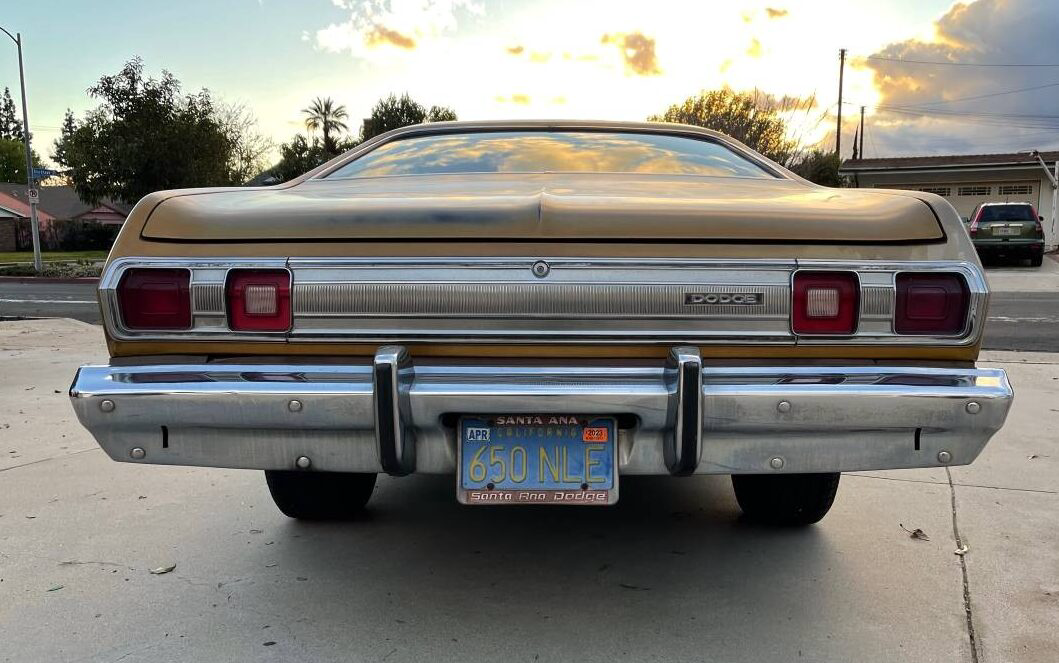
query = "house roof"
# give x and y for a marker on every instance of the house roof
(946, 161)
(58, 202)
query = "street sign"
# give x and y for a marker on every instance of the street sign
(43, 173)
(34, 196)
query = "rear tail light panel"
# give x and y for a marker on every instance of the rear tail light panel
(259, 300)
(326, 305)
(825, 303)
(931, 304)
(155, 299)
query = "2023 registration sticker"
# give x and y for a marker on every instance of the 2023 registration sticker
(537, 459)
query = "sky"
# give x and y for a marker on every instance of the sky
(612, 59)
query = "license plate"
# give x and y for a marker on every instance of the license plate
(1006, 231)
(537, 459)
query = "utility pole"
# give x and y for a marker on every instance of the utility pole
(32, 195)
(862, 132)
(838, 132)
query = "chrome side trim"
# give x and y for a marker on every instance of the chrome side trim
(576, 300)
(348, 417)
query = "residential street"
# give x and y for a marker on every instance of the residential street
(670, 573)
(1023, 313)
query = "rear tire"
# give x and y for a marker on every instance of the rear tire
(785, 499)
(320, 495)
(1036, 260)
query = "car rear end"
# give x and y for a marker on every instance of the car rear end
(1008, 229)
(551, 334)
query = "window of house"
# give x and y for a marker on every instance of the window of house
(938, 190)
(1015, 189)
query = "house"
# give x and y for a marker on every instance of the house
(965, 180)
(57, 203)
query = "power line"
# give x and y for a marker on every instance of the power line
(991, 94)
(963, 64)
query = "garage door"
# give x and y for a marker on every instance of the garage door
(965, 196)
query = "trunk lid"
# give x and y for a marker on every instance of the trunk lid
(545, 207)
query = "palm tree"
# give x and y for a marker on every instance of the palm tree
(324, 115)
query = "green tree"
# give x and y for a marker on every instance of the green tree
(393, 112)
(10, 125)
(145, 135)
(820, 167)
(323, 115)
(13, 161)
(297, 157)
(753, 118)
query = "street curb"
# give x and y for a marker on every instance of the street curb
(48, 279)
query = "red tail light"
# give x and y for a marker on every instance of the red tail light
(825, 303)
(259, 300)
(155, 299)
(1037, 220)
(932, 303)
(973, 228)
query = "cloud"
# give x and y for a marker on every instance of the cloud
(521, 99)
(638, 51)
(927, 108)
(776, 13)
(380, 34)
(403, 24)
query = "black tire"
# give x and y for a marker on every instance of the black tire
(785, 499)
(320, 495)
(1036, 260)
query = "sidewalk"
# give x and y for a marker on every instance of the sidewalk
(669, 574)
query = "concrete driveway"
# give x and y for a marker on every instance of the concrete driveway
(670, 574)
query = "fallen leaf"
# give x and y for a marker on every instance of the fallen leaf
(915, 533)
(163, 569)
(56, 588)
(961, 551)
(1035, 456)
(269, 566)
(255, 531)
(269, 643)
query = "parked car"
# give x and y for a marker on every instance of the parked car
(541, 309)
(1009, 229)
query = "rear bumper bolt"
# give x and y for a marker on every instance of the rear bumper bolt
(303, 462)
(944, 457)
(106, 405)
(137, 453)
(776, 463)
(294, 406)
(974, 407)
(783, 406)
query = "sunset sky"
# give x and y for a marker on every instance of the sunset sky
(619, 59)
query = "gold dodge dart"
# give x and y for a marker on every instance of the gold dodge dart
(540, 309)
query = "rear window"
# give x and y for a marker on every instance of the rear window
(551, 152)
(1007, 213)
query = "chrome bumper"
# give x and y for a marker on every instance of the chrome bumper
(681, 417)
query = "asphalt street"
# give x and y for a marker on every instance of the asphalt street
(669, 574)
(1023, 313)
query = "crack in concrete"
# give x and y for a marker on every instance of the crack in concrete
(951, 483)
(963, 569)
(45, 460)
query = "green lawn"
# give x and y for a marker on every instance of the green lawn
(50, 256)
